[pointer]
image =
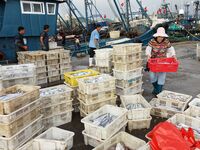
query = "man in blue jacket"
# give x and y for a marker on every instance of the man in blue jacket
(94, 43)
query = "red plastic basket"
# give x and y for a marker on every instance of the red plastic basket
(163, 65)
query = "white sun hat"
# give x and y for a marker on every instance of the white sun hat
(160, 33)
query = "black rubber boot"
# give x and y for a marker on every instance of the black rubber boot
(155, 90)
(160, 88)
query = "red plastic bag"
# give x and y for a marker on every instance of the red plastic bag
(166, 136)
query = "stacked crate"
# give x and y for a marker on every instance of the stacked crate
(71, 80)
(20, 118)
(39, 59)
(128, 68)
(65, 62)
(95, 92)
(138, 111)
(103, 59)
(169, 103)
(53, 68)
(17, 74)
(95, 134)
(56, 105)
(194, 108)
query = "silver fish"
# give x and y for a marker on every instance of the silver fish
(134, 106)
(103, 120)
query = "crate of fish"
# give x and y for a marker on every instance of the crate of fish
(54, 139)
(96, 84)
(94, 141)
(56, 109)
(103, 62)
(42, 81)
(16, 97)
(191, 111)
(89, 108)
(71, 77)
(125, 49)
(41, 69)
(53, 78)
(127, 58)
(165, 108)
(17, 71)
(58, 119)
(41, 63)
(11, 117)
(131, 90)
(105, 53)
(127, 75)
(121, 140)
(105, 121)
(139, 124)
(52, 62)
(128, 83)
(128, 66)
(53, 73)
(55, 95)
(104, 70)
(25, 81)
(137, 106)
(53, 67)
(52, 55)
(65, 65)
(184, 121)
(35, 56)
(22, 136)
(173, 96)
(92, 98)
(10, 129)
(195, 103)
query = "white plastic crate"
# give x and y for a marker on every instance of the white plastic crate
(103, 62)
(193, 112)
(104, 133)
(140, 113)
(127, 58)
(53, 67)
(128, 83)
(56, 109)
(96, 84)
(41, 69)
(145, 147)
(89, 108)
(165, 108)
(17, 71)
(54, 139)
(186, 120)
(19, 113)
(58, 119)
(130, 91)
(173, 96)
(82, 113)
(27, 146)
(104, 70)
(53, 73)
(121, 75)
(63, 71)
(92, 98)
(65, 65)
(125, 49)
(41, 81)
(54, 78)
(114, 34)
(41, 75)
(64, 54)
(104, 53)
(52, 62)
(139, 124)
(128, 66)
(22, 136)
(195, 103)
(122, 137)
(94, 141)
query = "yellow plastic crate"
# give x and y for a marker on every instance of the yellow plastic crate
(71, 77)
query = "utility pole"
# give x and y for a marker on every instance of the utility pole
(127, 14)
(196, 3)
(70, 15)
(187, 5)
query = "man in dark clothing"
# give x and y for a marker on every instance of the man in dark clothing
(20, 41)
(44, 38)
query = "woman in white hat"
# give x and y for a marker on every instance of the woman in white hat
(159, 47)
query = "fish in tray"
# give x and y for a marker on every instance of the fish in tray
(95, 80)
(166, 107)
(11, 95)
(81, 74)
(119, 146)
(131, 106)
(52, 91)
(178, 97)
(103, 120)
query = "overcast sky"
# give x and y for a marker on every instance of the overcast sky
(152, 5)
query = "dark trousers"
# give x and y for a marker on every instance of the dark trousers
(92, 52)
